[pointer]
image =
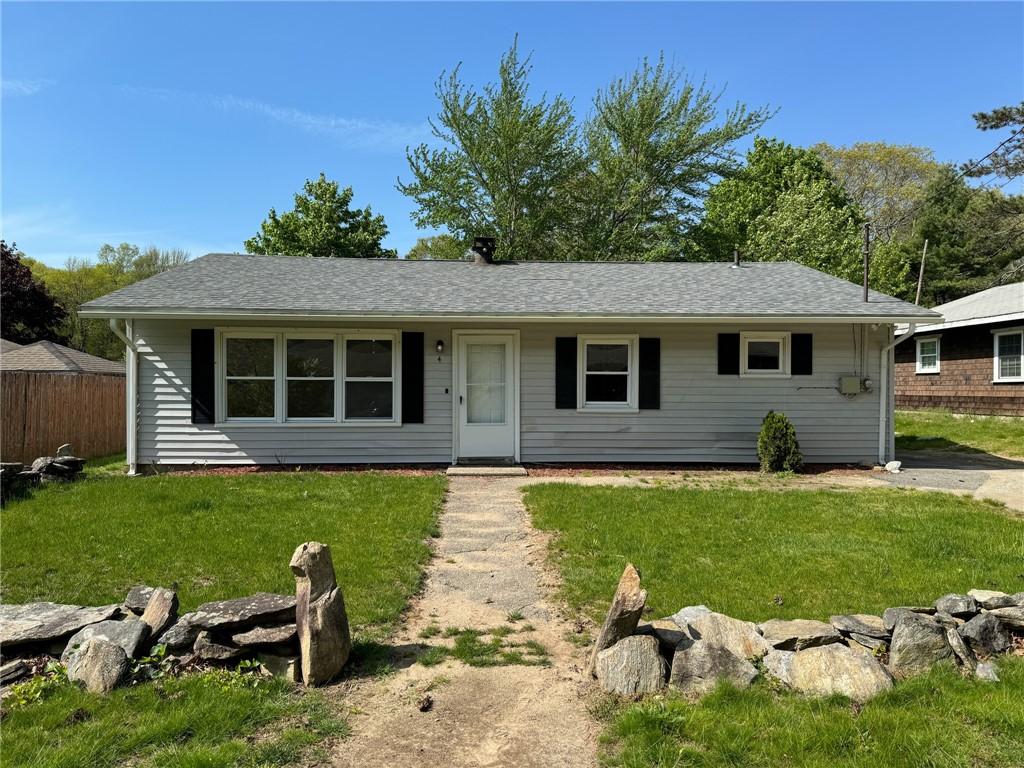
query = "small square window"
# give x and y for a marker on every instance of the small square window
(764, 354)
(928, 355)
(607, 373)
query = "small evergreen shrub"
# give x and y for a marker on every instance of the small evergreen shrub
(777, 446)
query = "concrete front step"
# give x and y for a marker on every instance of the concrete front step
(470, 470)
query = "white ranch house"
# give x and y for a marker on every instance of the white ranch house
(238, 359)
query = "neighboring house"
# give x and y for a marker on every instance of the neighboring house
(52, 395)
(237, 359)
(8, 346)
(971, 361)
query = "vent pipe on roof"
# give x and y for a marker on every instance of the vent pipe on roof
(735, 258)
(867, 255)
(483, 250)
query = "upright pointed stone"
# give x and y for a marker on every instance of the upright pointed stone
(320, 619)
(623, 614)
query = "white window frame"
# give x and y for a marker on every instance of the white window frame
(395, 378)
(302, 336)
(279, 335)
(223, 378)
(632, 342)
(783, 340)
(996, 378)
(918, 368)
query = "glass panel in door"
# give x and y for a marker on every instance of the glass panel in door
(485, 383)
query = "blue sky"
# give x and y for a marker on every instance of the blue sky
(180, 125)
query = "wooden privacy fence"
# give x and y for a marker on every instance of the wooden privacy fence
(41, 411)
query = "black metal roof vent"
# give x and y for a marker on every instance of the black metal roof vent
(483, 250)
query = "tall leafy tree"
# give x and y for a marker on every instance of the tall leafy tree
(653, 145)
(438, 248)
(30, 313)
(323, 223)
(504, 161)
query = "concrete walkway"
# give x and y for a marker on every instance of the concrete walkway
(489, 563)
(980, 475)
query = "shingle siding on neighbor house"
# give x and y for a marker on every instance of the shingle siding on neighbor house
(703, 416)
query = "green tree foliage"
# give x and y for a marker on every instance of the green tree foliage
(1007, 161)
(30, 312)
(504, 165)
(322, 224)
(438, 248)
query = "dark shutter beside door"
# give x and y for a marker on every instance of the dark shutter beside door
(412, 377)
(803, 354)
(202, 377)
(728, 354)
(650, 374)
(565, 372)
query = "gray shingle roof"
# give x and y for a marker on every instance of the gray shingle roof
(1004, 302)
(225, 284)
(48, 356)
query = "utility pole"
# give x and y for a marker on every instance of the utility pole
(920, 274)
(867, 255)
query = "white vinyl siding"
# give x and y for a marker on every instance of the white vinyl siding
(703, 417)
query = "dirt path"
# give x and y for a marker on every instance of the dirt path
(490, 563)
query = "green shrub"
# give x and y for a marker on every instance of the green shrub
(777, 446)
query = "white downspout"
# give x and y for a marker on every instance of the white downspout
(884, 412)
(130, 391)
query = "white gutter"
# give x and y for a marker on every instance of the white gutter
(131, 363)
(886, 414)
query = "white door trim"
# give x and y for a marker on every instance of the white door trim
(457, 336)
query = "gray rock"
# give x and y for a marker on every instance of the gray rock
(69, 464)
(1018, 599)
(740, 637)
(961, 652)
(42, 463)
(320, 619)
(948, 620)
(13, 671)
(861, 623)
(632, 666)
(986, 634)
(1010, 617)
(129, 634)
(261, 608)
(42, 622)
(986, 671)
(665, 631)
(796, 634)
(891, 615)
(779, 664)
(831, 669)
(99, 665)
(210, 648)
(918, 642)
(700, 665)
(64, 450)
(959, 606)
(623, 614)
(181, 635)
(286, 667)
(284, 633)
(868, 642)
(138, 598)
(987, 598)
(161, 610)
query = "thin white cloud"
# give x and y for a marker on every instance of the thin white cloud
(351, 131)
(24, 87)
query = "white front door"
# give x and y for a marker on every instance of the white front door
(486, 396)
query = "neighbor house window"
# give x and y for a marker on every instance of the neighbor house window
(607, 376)
(928, 355)
(309, 378)
(250, 386)
(1009, 346)
(369, 378)
(764, 354)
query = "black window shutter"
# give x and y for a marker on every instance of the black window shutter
(728, 354)
(412, 377)
(650, 374)
(565, 372)
(202, 376)
(803, 354)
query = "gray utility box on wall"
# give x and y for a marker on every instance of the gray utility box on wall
(849, 385)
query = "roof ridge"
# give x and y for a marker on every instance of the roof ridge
(59, 353)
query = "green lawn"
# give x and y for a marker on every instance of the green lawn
(795, 553)
(941, 430)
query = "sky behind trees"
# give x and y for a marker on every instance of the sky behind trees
(182, 124)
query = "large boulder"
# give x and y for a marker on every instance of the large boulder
(99, 665)
(283, 633)
(632, 666)
(958, 606)
(129, 634)
(797, 634)
(829, 669)
(861, 624)
(740, 637)
(42, 622)
(623, 614)
(1010, 617)
(891, 615)
(987, 598)
(986, 634)
(261, 608)
(699, 665)
(320, 619)
(138, 598)
(665, 631)
(161, 610)
(918, 642)
(181, 635)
